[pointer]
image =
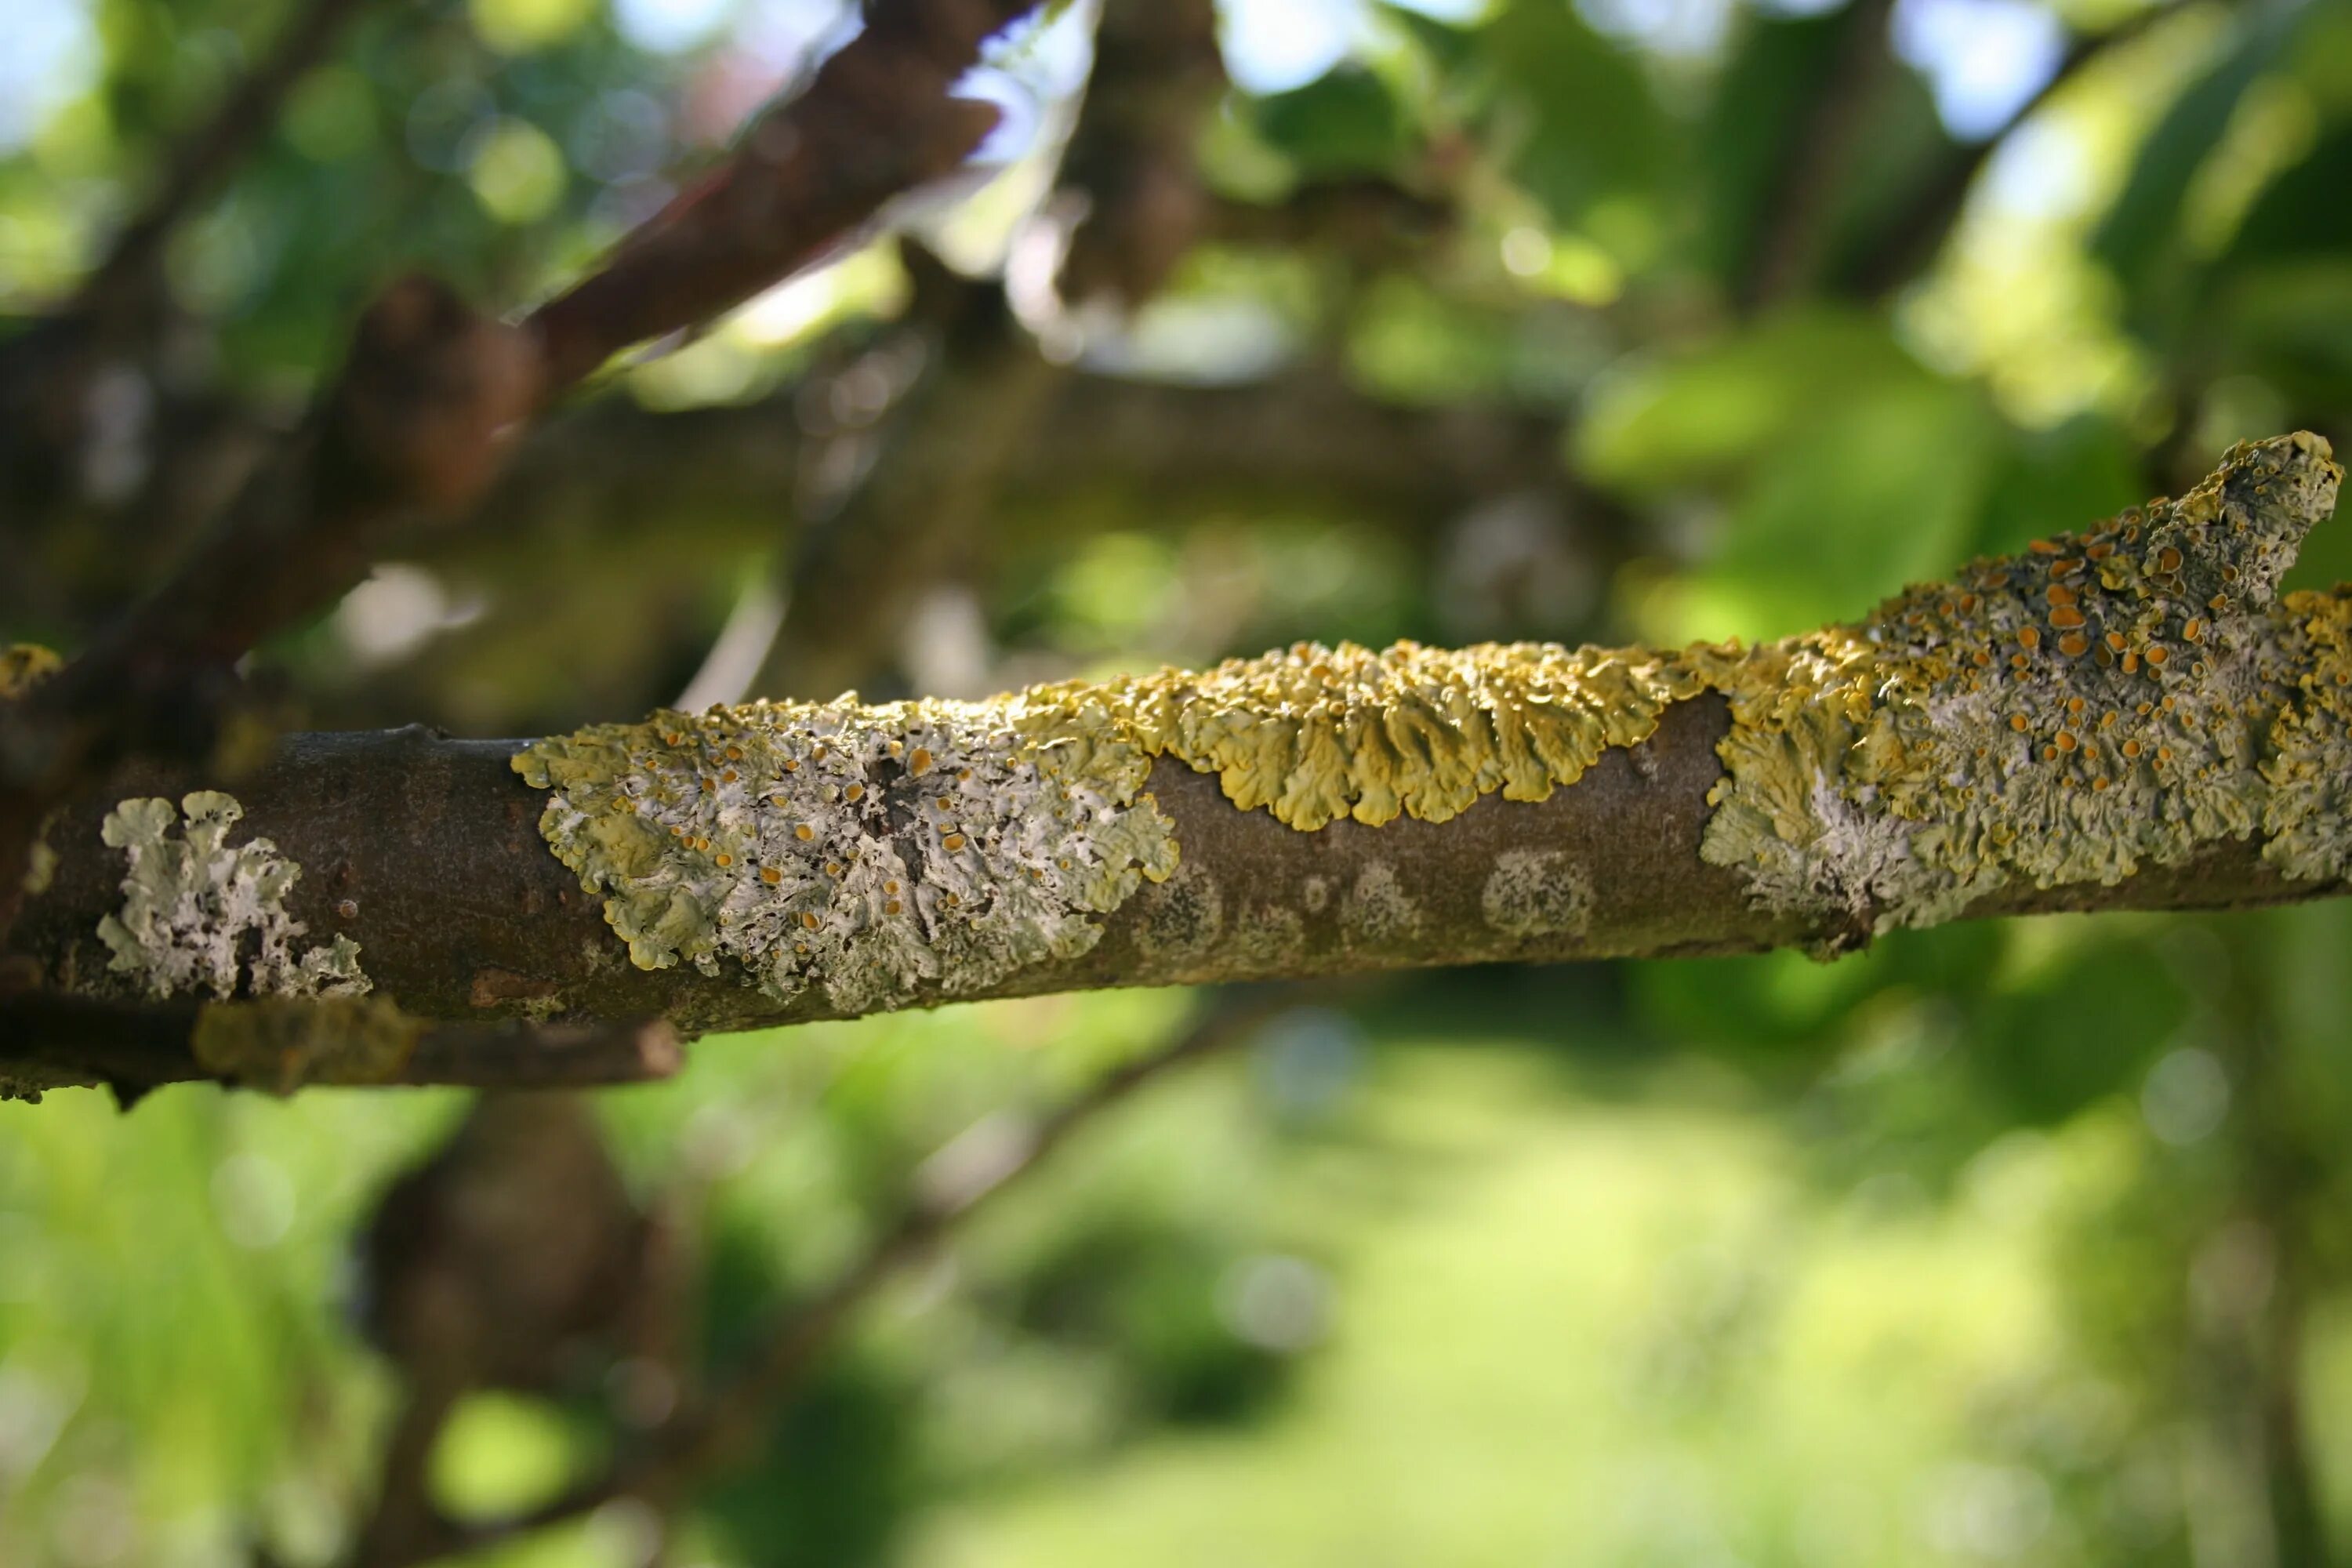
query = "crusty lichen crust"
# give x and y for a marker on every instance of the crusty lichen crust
(2106, 698)
(201, 915)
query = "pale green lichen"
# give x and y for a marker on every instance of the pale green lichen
(201, 914)
(871, 850)
(1536, 892)
(1181, 920)
(281, 1044)
(40, 866)
(2102, 700)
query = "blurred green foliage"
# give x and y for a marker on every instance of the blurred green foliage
(1992, 1244)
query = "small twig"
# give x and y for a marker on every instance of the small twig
(57, 1040)
(954, 1182)
(878, 119)
(204, 159)
(1157, 75)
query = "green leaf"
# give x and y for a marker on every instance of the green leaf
(1590, 126)
(1343, 122)
(2137, 240)
(1667, 423)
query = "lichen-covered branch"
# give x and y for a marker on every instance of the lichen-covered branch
(2127, 718)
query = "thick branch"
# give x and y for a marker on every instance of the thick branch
(2104, 723)
(1302, 439)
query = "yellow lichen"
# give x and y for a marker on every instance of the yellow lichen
(1316, 734)
(2062, 716)
(24, 665)
(2308, 817)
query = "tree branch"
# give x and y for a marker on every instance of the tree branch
(59, 1041)
(2118, 720)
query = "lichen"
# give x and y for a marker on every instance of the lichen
(2107, 700)
(281, 1044)
(2308, 817)
(1376, 911)
(200, 914)
(1181, 919)
(1536, 892)
(1267, 939)
(40, 865)
(2102, 701)
(1316, 734)
(872, 850)
(24, 665)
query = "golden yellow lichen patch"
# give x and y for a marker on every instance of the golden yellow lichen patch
(1316, 734)
(24, 665)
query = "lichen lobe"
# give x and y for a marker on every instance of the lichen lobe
(200, 914)
(1316, 735)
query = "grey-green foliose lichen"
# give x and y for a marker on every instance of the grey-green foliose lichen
(200, 914)
(869, 850)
